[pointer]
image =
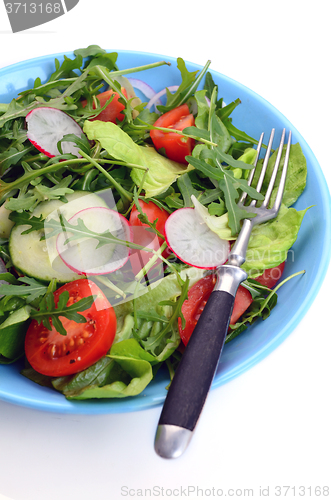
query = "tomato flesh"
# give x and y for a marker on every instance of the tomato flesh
(113, 111)
(153, 213)
(176, 146)
(270, 277)
(200, 292)
(55, 355)
(198, 295)
(139, 258)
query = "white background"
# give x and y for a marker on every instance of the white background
(270, 426)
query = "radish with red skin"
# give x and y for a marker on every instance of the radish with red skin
(79, 254)
(193, 242)
(47, 126)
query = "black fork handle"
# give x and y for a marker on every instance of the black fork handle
(193, 378)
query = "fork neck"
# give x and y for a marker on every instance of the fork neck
(237, 255)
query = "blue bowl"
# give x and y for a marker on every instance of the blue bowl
(311, 251)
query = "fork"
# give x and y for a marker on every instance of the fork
(193, 378)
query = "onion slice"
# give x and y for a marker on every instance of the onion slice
(157, 96)
(144, 88)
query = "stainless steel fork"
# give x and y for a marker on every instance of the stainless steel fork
(194, 375)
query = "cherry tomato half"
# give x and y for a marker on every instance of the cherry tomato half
(114, 109)
(55, 355)
(139, 258)
(200, 292)
(198, 295)
(153, 213)
(270, 277)
(176, 146)
(145, 237)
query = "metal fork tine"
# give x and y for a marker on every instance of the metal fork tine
(279, 195)
(252, 172)
(264, 166)
(274, 172)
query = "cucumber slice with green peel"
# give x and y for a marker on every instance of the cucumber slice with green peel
(38, 258)
(5, 223)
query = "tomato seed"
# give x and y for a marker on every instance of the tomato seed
(52, 350)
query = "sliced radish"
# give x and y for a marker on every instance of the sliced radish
(192, 240)
(47, 126)
(82, 255)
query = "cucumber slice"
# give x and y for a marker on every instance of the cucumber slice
(5, 223)
(31, 255)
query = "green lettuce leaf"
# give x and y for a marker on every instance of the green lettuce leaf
(217, 224)
(12, 335)
(161, 172)
(167, 288)
(270, 242)
(126, 371)
(296, 175)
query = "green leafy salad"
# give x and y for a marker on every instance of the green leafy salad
(94, 299)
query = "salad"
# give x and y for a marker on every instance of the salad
(117, 203)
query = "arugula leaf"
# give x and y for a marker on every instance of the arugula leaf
(261, 306)
(81, 142)
(22, 218)
(187, 87)
(19, 108)
(11, 157)
(9, 278)
(186, 188)
(226, 111)
(33, 290)
(48, 312)
(90, 51)
(39, 193)
(209, 85)
(239, 135)
(66, 68)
